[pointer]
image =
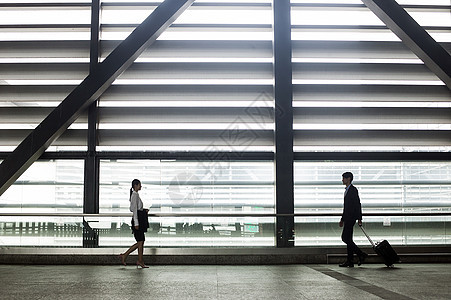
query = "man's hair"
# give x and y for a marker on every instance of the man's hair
(348, 175)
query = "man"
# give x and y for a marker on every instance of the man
(352, 211)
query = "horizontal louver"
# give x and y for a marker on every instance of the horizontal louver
(44, 54)
(210, 75)
(206, 84)
(358, 87)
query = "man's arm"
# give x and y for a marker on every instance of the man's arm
(357, 206)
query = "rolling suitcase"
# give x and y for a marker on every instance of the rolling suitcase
(384, 250)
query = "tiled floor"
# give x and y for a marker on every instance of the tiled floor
(372, 281)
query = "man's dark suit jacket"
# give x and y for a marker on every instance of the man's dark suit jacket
(352, 209)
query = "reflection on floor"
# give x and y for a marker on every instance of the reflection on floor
(370, 281)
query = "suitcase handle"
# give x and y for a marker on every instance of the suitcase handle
(368, 237)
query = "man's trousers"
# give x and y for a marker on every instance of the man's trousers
(346, 237)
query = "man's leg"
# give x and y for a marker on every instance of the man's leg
(362, 255)
(346, 237)
(352, 248)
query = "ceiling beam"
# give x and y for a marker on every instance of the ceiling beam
(101, 77)
(434, 56)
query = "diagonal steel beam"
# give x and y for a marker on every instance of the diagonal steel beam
(434, 56)
(32, 147)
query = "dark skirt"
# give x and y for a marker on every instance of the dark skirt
(143, 225)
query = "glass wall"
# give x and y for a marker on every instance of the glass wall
(54, 186)
(384, 187)
(191, 187)
(405, 231)
(207, 85)
(47, 187)
(184, 190)
(40, 231)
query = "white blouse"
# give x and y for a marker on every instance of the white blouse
(135, 205)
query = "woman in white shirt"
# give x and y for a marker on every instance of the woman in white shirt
(140, 224)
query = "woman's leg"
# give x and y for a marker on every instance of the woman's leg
(130, 250)
(140, 261)
(140, 252)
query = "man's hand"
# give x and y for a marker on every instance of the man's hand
(360, 223)
(340, 224)
(137, 227)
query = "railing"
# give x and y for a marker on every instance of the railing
(163, 214)
(215, 229)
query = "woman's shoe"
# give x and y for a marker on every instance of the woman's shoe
(121, 257)
(142, 265)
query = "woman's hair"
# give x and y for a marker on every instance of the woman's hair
(134, 182)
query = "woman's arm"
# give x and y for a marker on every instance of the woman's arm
(134, 208)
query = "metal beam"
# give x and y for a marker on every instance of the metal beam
(88, 91)
(251, 156)
(434, 56)
(283, 93)
(94, 47)
(91, 171)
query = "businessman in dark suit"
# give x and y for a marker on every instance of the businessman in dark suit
(352, 211)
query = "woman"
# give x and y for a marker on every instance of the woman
(140, 224)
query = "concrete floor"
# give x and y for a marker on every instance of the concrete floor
(370, 281)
